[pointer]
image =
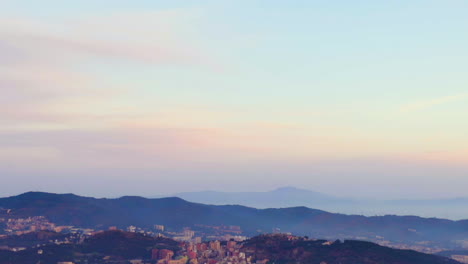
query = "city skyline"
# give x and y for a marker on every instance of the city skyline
(362, 99)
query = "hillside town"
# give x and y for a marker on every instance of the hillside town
(200, 244)
(195, 234)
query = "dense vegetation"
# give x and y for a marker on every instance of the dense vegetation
(117, 245)
(282, 249)
(31, 239)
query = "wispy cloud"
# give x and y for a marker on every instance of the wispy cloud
(44, 70)
(425, 104)
(147, 37)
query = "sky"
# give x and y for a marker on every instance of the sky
(351, 98)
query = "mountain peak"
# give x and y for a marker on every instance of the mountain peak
(298, 191)
(289, 189)
(43, 195)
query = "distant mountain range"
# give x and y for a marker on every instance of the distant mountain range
(176, 213)
(281, 197)
(456, 208)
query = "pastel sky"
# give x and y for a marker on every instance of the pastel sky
(351, 98)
